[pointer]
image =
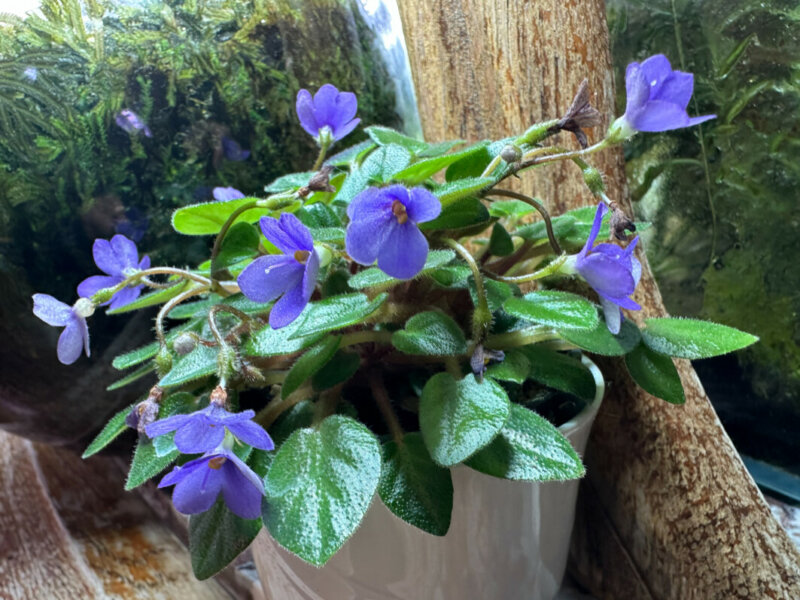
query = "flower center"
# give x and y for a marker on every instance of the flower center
(301, 256)
(399, 211)
(83, 307)
(217, 462)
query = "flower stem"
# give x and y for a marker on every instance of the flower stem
(553, 267)
(365, 336)
(490, 168)
(482, 317)
(381, 397)
(522, 337)
(323, 150)
(539, 207)
(162, 340)
(534, 157)
(173, 271)
(223, 232)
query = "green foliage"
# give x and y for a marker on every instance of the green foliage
(115, 426)
(554, 309)
(307, 365)
(147, 463)
(690, 338)
(560, 371)
(432, 333)
(655, 373)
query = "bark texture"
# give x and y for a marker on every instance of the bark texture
(668, 510)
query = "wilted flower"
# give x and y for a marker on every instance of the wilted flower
(233, 150)
(612, 271)
(132, 123)
(204, 430)
(223, 194)
(199, 483)
(146, 411)
(657, 99)
(328, 116)
(580, 114)
(383, 226)
(291, 275)
(72, 318)
(119, 259)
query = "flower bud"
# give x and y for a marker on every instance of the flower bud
(594, 180)
(511, 153)
(184, 343)
(163, 361)
(219, 397)
(226, 362)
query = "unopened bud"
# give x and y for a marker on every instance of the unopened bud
(145, 412)
(218, 397)
(226, 362)
(163, 361)
(83, 307)
(511, 153)
(619, 223)
(184, 343)
(250, 373)
(594, 179)
(481, 358)
(319, 182)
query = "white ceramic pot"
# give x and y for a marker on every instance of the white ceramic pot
(508, 540)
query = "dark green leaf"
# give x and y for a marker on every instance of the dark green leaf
(309, 363)
(292, 181)
(115, 426)
(553, 308)
(656, 374)
(336, 313)
(274, 342)
(431, 333)
(318, 216)
(528, 448)
(423, 169)
(497, 292)
(692, 338)
(339, 369)
(462, 213)
(452, 276)
(131, 377)
(500, 243)
(562, 226)
(374, 276)
(560, 372)
(349, 155)
(601, 341)
(319, 487)
(139, 355)
(216, 537)
(240, 243)
(452, 191)
(458, 418)
(209, 217)
(471, 165)
(514, 367)
(414, 487)
(146, 463)
(200, 362)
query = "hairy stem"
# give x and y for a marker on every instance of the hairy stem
(381, 397)
(539, 207)
(482, 317)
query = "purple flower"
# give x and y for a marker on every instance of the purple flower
(612, 271)
(75, 336)
(223, 194)
(133, 225)
(31, 73)
(132, 123)
(118, 259)
(233, 150)
(291, 275)
(199, 482)
(328, 116)
(204, 430)
(657, 98)
(383, 226)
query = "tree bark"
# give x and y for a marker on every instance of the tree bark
(667, 510)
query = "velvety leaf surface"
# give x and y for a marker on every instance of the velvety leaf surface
(200, 362)
(559, 371)
(601, 341)
(556, 309)
(115, 426)
(514, 367)
(692, 338)
(431, 333)
(336, 312)
(147, 463)
(209, 217)
(374, 276)
(309, 363)
(656, 374)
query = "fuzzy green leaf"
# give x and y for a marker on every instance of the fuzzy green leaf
(453, 191)
(319, 487)
(553, 308)
(136, 375)
(337, 370)
(374, 276)
(560, 372)
(147, 463)
(423, 169)
(274, 342)
(154, 298)
(656, 374)
(115, 426)
(431, 333)
(383, 136)
(601, 341)
(692, 338)
(209, 217)
(500, 243)
(510, 208)
(336, 312)
(200, 362)
(292, 181)
(465, 212)
(309, 363)
(514, 367)
(459, 417)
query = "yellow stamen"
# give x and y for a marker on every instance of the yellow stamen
(399, 211)
(217, 462)
(301, 256)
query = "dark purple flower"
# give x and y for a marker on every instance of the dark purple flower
(657, 98)
(291, 275)
(383, 226)
(612, 271)
(75, 336)
(132, 123)
(329, 114)
(199, 483)
(223, 194)
(118, 259)
(134, 225)
(204, 430)
(233, 150)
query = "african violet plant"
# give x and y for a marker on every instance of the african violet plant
(364, 328)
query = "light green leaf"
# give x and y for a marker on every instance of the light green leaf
(217, 537)
(601, 341)
(274, 342)
(156, 297)
(431, 333)
(309, 363)
(384, 136)
(423, 169)
(559, 371)
(692, 338)
(200, 362)
(347, 156)
(528, 448)
(374, 276)
(147, 463)
(131, 377)
(115, 426)
(553, 308)
(453, 191)
(414, 487)
(292, 181)
(319, 487)
(656, 374)
(452, 276)
(336, 312)
(459, 417)
(209, 217)
(471, 165)
(240, 243)
(510, 208)
(514, 367)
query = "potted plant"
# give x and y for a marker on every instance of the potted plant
(385, 339)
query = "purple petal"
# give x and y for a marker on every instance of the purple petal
(343, 130)
(163, 426)
(198, 490)
(51, 311)
(612, 314)
(251, 433)
(636, 270)
(656, 70)
(346, 106)
(374, 204)
(325, 105)
(310, 275)
(364, 239)
(288, 308)
(125, 250)
(636, 88)
(621, 301)
(71, 341)
(701, 119)
(596, 224)
(222, 416)
(246, 471)
(106, 259)
(677, 89)
(268, 277)
(607, 276)
(659, 115)
(224, 194)
(422, 206)
(403, 254)
(199, 435)
(144, 263)
(178, 474)
(91, 285)
(305, 112)
(287, 234)
(125, 296)
(242, 497)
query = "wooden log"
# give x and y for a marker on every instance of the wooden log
(668, 510)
